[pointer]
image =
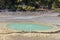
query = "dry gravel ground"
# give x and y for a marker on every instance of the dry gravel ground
(28, 13)
(29, 36)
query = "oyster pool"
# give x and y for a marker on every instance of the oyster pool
(28, 27)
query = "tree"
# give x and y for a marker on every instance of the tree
(57, 3)
(2, 4)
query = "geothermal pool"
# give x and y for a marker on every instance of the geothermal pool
(28, 27)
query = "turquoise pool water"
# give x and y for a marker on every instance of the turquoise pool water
(28, 27)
